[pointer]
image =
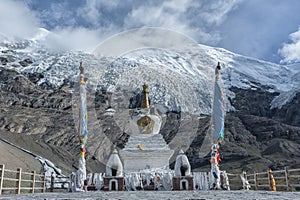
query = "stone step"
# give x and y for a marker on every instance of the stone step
(145, 149)
(148, 141)
(146, 136)
(148, 147)
(144, 142)
(154, 142)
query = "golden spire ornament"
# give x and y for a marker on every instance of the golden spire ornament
(145, 97)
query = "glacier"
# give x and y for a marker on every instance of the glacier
(178, 80)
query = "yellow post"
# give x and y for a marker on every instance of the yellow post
(272, 181)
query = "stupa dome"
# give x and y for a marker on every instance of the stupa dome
(114, 166)
(182, 165)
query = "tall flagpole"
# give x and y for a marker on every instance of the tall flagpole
(218, 112)
(82, 130)
(218, 115)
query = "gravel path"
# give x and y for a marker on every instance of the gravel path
(157, 195)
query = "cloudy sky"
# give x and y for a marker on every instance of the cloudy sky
(263, 29)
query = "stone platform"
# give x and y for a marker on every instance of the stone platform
(155, 154)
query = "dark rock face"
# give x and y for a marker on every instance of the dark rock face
(25, 62)
(6, 59)
(40, 118)
(289, 113)
(275, 133)
(258, 102)
(254, 102)
(35, 77)
(19, 90)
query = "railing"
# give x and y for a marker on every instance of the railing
(59, 183)
(19, 181)
(287, 179)
(235, 181)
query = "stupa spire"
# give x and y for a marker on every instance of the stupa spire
(145, 97)
(217, 72)
(82, 82)
(81, 68)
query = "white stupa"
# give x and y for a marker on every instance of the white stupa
(182, 165)
(114, 165)
(146, 148)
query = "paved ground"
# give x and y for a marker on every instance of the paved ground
(157, 195)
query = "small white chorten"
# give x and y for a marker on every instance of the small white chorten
(114, 166)
(182, 165)
(183, 180)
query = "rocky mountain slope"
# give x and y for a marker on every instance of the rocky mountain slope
(38, 109)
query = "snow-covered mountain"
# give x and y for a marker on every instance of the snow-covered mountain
(181, 80)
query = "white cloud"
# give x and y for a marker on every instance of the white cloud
(215, 13)
(164, 15)
(259, 28)
(16, 19)
(291, 51)
(91, 12)
(58, 13)
(194, 18)
(78, 39)
(105, 18)
(80, 25)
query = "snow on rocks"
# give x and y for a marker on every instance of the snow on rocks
(181, 80)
